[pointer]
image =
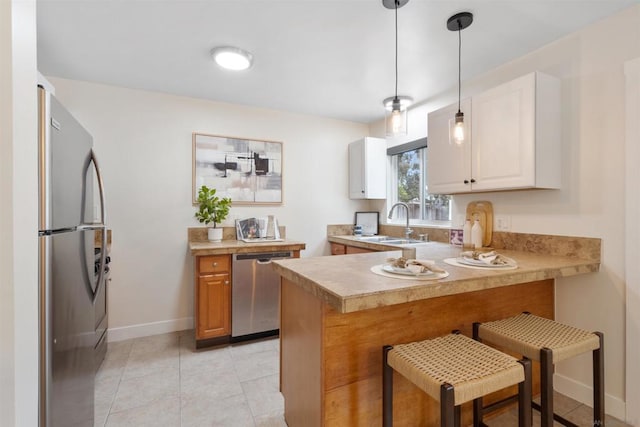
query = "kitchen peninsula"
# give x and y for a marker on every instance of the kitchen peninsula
(336, 315)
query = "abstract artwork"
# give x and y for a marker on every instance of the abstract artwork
(248, 171)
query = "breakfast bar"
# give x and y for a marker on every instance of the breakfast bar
(336, 315)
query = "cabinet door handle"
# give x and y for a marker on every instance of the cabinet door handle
(466, 181)
(362, 191)
(215, 264)
(226, 282)
(473, 180)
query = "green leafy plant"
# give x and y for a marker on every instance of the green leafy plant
(212, 208)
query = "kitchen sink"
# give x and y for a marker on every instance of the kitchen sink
(388, 240)
(376, 238)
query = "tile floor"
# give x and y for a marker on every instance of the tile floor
(162, 381)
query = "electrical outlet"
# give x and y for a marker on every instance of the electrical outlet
(503, 222)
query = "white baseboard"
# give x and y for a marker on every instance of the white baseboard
(147, 329)
(583, 393)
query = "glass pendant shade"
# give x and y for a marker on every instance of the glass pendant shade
(457, 129)
(396, 122)
(396, 117)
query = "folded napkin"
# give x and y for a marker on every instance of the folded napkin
(489, 258)
(414, 265)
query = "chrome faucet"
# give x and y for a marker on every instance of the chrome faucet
(407, 230)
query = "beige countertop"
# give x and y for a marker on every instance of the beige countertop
(346, 283)
(376, 246)
(198, 248)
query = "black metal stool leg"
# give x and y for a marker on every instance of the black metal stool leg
(477, 403)
(598, 383)
(387, 389)
(476, 331)
(546, 387)
(477, 412)
(447, 406)
(525, 415)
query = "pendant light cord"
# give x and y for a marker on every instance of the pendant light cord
(396, 8)
(459, 61)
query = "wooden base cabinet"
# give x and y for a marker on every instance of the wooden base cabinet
(331, 362)
(213, 297)
(338, 249)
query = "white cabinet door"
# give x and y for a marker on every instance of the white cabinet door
(503, 130)
(448, 165)
(514, 143)
(368, 169)
(517, 135)
(356, 170)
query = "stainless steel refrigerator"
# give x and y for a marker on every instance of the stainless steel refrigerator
(71, 220)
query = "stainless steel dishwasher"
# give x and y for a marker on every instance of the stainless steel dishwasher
(255, 294)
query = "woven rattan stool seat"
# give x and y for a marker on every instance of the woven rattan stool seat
(472, 368)
(527, 334)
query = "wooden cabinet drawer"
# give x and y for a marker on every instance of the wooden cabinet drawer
(337, 249)
(214, 264)
(357, 250)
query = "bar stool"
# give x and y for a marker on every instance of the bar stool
(548, 342)
(455, 369)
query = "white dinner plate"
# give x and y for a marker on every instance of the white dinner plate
(404, 271)
(479, 263)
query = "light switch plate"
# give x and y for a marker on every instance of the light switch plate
(502, 222)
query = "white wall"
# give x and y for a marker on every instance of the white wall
(143, 140)
(18, 215)
(591, 202)
(632, 269)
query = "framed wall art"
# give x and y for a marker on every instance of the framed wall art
(369, 222)
(248, 171)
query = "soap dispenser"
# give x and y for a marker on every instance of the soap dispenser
(476, 234)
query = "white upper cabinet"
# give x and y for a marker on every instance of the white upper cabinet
(448, 165)
(515, 140)
(368, 169)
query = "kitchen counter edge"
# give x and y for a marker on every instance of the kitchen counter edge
(199, 248)
(345, 283)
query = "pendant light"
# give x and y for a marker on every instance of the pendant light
(396, 106)
(457, 131)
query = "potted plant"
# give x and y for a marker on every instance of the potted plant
(212, 209)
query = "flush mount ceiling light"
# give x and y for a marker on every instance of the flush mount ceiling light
(232, 58)
(458, 22)
(396, 106)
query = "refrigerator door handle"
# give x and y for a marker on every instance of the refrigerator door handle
(101, 226)
(83, 227)
(94, 159)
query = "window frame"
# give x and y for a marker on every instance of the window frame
(392, 186)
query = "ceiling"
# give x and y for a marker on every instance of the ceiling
(328, 58)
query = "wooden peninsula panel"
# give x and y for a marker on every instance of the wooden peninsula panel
(332, 362)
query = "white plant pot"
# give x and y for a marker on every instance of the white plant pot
(214, 234)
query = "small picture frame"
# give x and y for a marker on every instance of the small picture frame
(369, 222)
(455, 237)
